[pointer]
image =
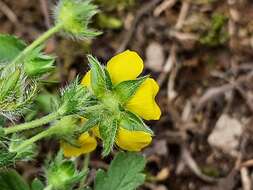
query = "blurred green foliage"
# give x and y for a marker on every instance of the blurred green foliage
(216, 34)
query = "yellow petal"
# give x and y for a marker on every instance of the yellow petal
(127, 65)
(132, 140)
(143, 102)
(95, 131)
(86, 79)
(85, 141)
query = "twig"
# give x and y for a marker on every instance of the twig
(182, 15)
(190, 162)
(44, 7)
(168, 65)
(248, 163)
(8, 12)
(166, 4)
(171, 61)
(246, 182)
(213, 93)
(144, 10)
(171, 92)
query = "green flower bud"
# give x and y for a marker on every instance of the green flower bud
(62, 174)
(75, 16)
(75, 99)
(64, 128)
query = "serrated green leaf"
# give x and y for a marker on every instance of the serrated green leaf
(10, 47)
(98, 78)
(124, 173)
(37, 184)
(126, 89)
(132, 122)
(108, 129)
(11, 180)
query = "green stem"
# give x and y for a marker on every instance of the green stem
(32, 140)
(32, 124)
(38, 42)
(85, 168)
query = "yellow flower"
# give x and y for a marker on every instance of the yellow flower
(126, 66)
(86, 142)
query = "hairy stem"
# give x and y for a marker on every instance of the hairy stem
(32, 140)
(37, 42)
(32, 124)
(85, 168)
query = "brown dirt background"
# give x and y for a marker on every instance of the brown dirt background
(199, 83)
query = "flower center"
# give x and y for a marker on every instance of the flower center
(111, 103)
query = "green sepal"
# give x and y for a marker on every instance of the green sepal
(8, 85)
(98, 77)
(108, 129)
(108, 80)
(37, 63)
(126, 89)
(10, 47)
(11, 180)
(124, 173)
(132, 122)
(37, 184)
(90, 123)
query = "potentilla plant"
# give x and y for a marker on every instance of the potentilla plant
(108, 105)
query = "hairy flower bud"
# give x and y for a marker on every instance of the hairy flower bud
(75, 16)
(62, 174)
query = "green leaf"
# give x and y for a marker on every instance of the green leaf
(108, 129)
(37, 184)
(6, 158)
(37, 63)
(11, 180)
(132, 122)
(10, 47)
(98, 77)
(126, 89)
(46, 102)
(124, 173)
